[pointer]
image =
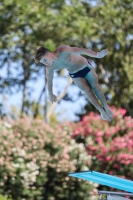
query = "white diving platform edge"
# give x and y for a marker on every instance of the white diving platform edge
(105, 179)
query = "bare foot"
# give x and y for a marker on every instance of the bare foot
(105, 116)
(109, 112)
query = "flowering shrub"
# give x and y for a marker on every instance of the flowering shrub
(109, 145)
(36, 159)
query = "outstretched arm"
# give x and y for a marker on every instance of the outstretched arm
(88, 52)
(49, 77)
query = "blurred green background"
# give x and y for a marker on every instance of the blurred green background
(38, 150)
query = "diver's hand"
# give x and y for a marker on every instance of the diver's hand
(52, 98)
(102, 53)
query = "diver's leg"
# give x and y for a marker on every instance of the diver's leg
(92, 79)
(84, 86)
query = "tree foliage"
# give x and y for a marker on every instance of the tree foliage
(4, 198)
(26, 25)
(113, 30)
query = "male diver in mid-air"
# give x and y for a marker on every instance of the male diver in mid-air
(81, 71)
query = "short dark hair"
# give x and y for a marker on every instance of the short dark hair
(39, 53)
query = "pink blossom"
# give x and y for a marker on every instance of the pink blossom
(116, 165)
(111, 141)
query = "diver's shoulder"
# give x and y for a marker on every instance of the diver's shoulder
(61, 48)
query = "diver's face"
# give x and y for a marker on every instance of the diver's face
(46, 59)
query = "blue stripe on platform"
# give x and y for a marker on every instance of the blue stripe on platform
(105, 179)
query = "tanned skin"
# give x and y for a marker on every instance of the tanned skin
(71, 58)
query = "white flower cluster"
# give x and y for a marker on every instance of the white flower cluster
(29, 175)
(7, 125)
(4, 126)
(83, 156)
(29, 170)
(89, 140)
(16, 165)
(93, 198)
(18, 151)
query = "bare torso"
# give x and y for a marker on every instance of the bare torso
(71, 62)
